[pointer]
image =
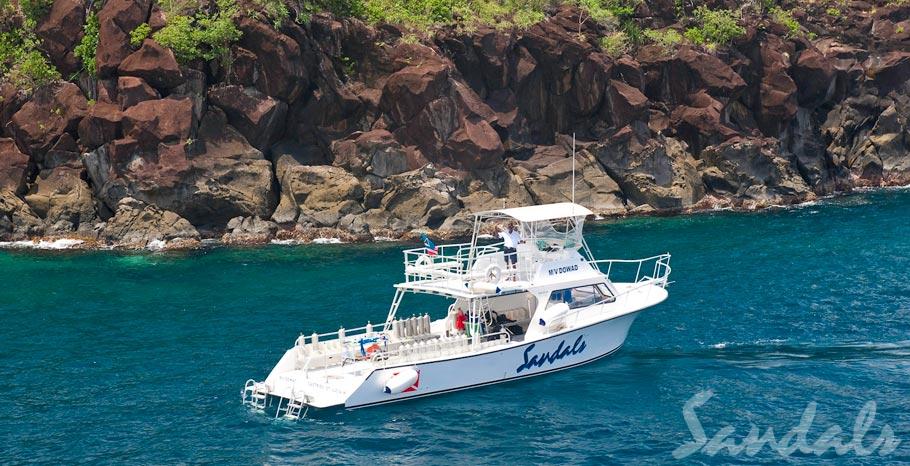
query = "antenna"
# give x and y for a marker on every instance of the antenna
(573, 168)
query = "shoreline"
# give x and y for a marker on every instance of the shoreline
(326, 236)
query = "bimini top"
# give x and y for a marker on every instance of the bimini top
(538, 213)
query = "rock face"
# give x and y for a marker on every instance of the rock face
(339, 126)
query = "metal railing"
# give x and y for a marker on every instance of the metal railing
(657, 266)
(449, 261)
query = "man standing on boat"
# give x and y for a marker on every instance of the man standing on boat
(510, 240)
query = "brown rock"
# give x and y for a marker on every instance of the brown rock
(132, 90)
(52, 111)
(159, 121)
(153, 63)
(101, 125)
(11, 100)
(625, 103)
(117, 19)
(411, 89)
(13, 167)
(710, 73)
(257, 116)
(208, 182)
(591, 80)
(889, 71)
(283, 72)
(60, 31)
(814, 76)
(65, 153)
(699, 123)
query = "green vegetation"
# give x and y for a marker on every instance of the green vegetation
(668, 39)
(21, 62)
(833, 11)
(140, 34)
(35, 10)
(716, 27)
(88, 47)
(205, 35)
(785, 18)
(615, 44)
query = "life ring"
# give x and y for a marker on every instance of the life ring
(423, 261)
(493, 274)
(372, 348)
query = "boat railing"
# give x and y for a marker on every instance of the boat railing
(342, 334)
(447, 261)
(322, 355)
(438, 347)
(653, 270)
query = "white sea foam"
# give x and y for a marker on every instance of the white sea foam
(322, 240)
(57, 244)
(156, 245)
(384, 239)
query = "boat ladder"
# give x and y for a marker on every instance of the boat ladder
(255, 394)
(293, 410)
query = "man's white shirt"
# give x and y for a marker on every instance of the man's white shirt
(510, 240)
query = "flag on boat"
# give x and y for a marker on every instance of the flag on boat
(428, 243)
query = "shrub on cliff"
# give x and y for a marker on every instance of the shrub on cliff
(784, 17)
(715, 27)
(204, 35)
(88, 46)
(21, 61)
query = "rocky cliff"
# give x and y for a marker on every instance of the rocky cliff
(334, 124)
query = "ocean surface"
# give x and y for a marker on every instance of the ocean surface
(109, 357)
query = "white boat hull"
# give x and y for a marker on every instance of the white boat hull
(560, 351)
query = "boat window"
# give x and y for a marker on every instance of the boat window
(581, 296)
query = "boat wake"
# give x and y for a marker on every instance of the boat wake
(764, 351)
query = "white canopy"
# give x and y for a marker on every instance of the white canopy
(537, 213)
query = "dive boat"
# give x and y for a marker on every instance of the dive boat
(557, 308)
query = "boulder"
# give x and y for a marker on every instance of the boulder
(63, 200)
(65, 153)
(60, 31)
(814, 77)
(891, 139)
(132, 90)
(374, 152)
(625, 103)
(117, 20)
(777, 91)
(258, 117)
(419, 198)
(547, 175)
(889, 71)
(13, 167)
(315, 195)
(283, 73)
(101, 125)
(590, 82)
(657, 172)
(17, 221)
(410, 90)
(52, 111)
(153, 122)
(753, 170)
(710, 73)
(699, 123)
(135, 224)
(11, 100)
(249, 230)
(154, 64)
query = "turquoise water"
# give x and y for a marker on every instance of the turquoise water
(113, 358)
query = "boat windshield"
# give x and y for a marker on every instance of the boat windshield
(554, 235)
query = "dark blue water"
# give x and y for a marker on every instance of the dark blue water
(114, 358)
